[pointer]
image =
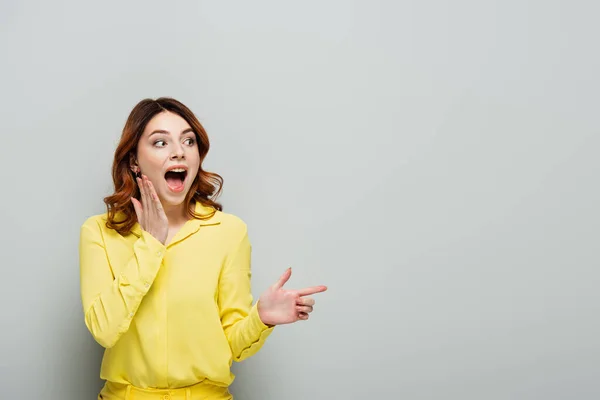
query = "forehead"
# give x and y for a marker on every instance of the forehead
(167, 121)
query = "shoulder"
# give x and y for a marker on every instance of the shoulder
(95, 224)
(92, 230)
(233, 233)
(234, 229)
(232, 224)
(95, 221)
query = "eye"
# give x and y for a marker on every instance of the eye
(160, 143)
(190, 141)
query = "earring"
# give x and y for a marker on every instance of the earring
(136, 172)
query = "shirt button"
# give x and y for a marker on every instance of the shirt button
(166, 397)
(159, 253)
(130, 315)
(146, 285)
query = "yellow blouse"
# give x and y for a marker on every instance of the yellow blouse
(170, 316)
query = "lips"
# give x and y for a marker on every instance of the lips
(175, 178)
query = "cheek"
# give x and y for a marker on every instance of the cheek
(193, 165)
(151, 162)
(193, 158)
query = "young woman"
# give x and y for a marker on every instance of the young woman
(165, 273)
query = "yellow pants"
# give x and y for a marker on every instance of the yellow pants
(201, 391)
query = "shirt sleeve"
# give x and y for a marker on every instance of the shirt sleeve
(241, 323)
(110, 302)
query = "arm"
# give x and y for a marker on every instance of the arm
(109, 302)
(245, 331)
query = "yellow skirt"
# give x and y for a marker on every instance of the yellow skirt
(200, 391)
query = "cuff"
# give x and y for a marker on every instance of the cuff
(258, 327)
(150, 257)
(153, 243)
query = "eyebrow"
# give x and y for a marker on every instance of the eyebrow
(167, 132)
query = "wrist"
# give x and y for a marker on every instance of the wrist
(261, 314)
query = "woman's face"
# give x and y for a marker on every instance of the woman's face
(167, 154)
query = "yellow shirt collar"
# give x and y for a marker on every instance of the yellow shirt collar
(192, 225)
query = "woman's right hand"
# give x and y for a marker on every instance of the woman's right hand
(150, 213)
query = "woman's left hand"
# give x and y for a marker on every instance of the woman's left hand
(278, 306)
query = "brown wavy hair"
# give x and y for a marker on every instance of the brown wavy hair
(205, 188)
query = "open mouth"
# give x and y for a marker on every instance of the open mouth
(175, 179)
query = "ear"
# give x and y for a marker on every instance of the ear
(133, 165)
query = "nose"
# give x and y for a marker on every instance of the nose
(178, 153)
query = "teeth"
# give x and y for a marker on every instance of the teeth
(177, 170)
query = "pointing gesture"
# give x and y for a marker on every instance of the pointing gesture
(278, 306)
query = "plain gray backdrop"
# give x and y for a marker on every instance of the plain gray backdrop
(433, 162)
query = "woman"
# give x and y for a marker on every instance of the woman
(165, 273)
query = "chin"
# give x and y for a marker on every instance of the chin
(173, 199)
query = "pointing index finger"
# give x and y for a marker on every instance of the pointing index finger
(311, 290)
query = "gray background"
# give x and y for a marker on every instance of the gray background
(433, 162)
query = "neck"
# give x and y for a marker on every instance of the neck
(177, 214)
